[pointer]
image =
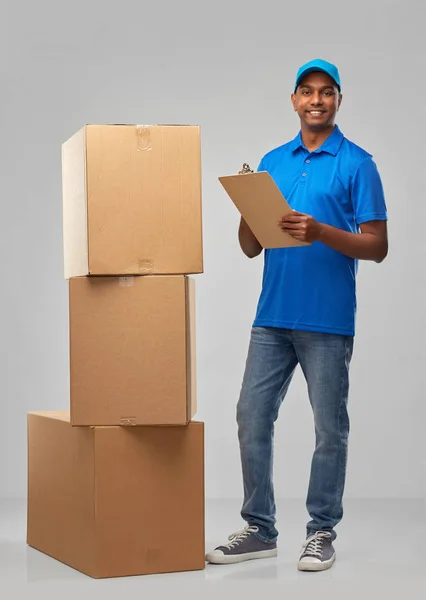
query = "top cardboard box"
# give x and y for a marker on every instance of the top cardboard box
(132, 200)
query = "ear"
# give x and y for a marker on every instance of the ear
(339, 102)
(293, 101)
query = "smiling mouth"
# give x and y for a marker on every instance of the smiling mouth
(316, 113)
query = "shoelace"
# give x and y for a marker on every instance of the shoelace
(239, 536)
(314, 545)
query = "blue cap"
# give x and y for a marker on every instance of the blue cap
(318, 65)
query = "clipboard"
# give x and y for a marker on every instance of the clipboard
(262, 205)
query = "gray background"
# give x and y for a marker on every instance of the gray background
(228, 67)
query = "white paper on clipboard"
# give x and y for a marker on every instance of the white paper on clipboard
(262, 205)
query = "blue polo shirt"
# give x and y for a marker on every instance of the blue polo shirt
(313, 287)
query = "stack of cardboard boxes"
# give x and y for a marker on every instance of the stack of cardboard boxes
(116, 484)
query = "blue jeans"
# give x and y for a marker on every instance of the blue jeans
(273, 356)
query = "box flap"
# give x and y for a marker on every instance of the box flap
(191, 348)
(74, 206)
(61, 520)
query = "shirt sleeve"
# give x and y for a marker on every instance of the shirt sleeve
(261, 166)
(367, 194)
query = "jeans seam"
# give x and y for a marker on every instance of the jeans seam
(339, 493)
(277, 406)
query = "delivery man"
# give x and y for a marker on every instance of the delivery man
(306, 316)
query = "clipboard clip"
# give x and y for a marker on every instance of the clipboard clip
(245, 169)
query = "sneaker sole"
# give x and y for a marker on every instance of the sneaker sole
(227, 559)
(302, 566)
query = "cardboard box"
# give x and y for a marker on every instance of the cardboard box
(132, 200)
(116, 501)
(132, 350)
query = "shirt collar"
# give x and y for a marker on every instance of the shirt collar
(331, 145)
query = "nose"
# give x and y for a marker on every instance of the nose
(316, 99)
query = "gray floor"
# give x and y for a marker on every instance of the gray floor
(381, 548)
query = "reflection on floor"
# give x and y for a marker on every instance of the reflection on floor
(380, 549)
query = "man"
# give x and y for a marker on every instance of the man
(306, 315)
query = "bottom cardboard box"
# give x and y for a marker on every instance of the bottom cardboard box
(116, 501)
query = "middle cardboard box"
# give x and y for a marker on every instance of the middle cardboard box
(132, 350)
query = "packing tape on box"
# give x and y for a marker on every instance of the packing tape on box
(127, 421)
(126, 281)
(143, 138)
(146, 266)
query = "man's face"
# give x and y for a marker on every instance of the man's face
(317, 100)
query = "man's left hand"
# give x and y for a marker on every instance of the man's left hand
(301, 227)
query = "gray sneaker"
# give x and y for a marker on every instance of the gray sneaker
(243, 545)
(317, 552)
